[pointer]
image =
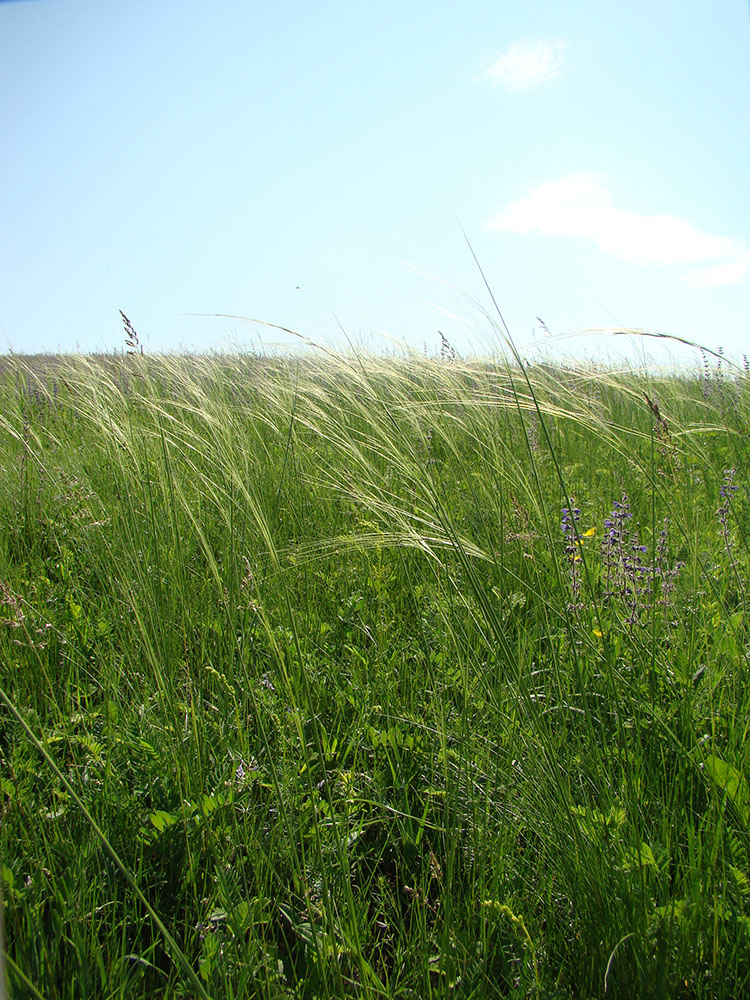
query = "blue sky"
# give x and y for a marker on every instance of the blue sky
(313, 165)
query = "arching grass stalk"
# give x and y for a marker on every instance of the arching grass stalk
(217, 444)
(510, 343)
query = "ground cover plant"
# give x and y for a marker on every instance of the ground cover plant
(373, 677)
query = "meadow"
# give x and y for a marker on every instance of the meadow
(348, 676)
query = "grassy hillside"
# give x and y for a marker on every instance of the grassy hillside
(353, 677)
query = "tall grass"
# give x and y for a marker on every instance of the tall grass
(359, 677)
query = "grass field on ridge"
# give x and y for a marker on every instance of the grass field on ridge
(344, 676)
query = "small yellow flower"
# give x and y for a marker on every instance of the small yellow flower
(597, 633)
(589, 534)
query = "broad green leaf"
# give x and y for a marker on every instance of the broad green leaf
(161, 820)
(733, 782)
(640, 857)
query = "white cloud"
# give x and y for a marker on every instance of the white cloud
(524, 66)
(580, 206)
(732, 272)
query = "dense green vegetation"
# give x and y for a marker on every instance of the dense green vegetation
(358, 677)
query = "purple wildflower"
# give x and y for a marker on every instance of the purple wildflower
(728, 487)
(569, 527)
(727, 491)
(661, 570)
(625, 574)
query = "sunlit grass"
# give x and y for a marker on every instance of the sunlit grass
(349, 676)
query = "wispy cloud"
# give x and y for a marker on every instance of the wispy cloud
(581, 206)
(731, 272)
(524, 66)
